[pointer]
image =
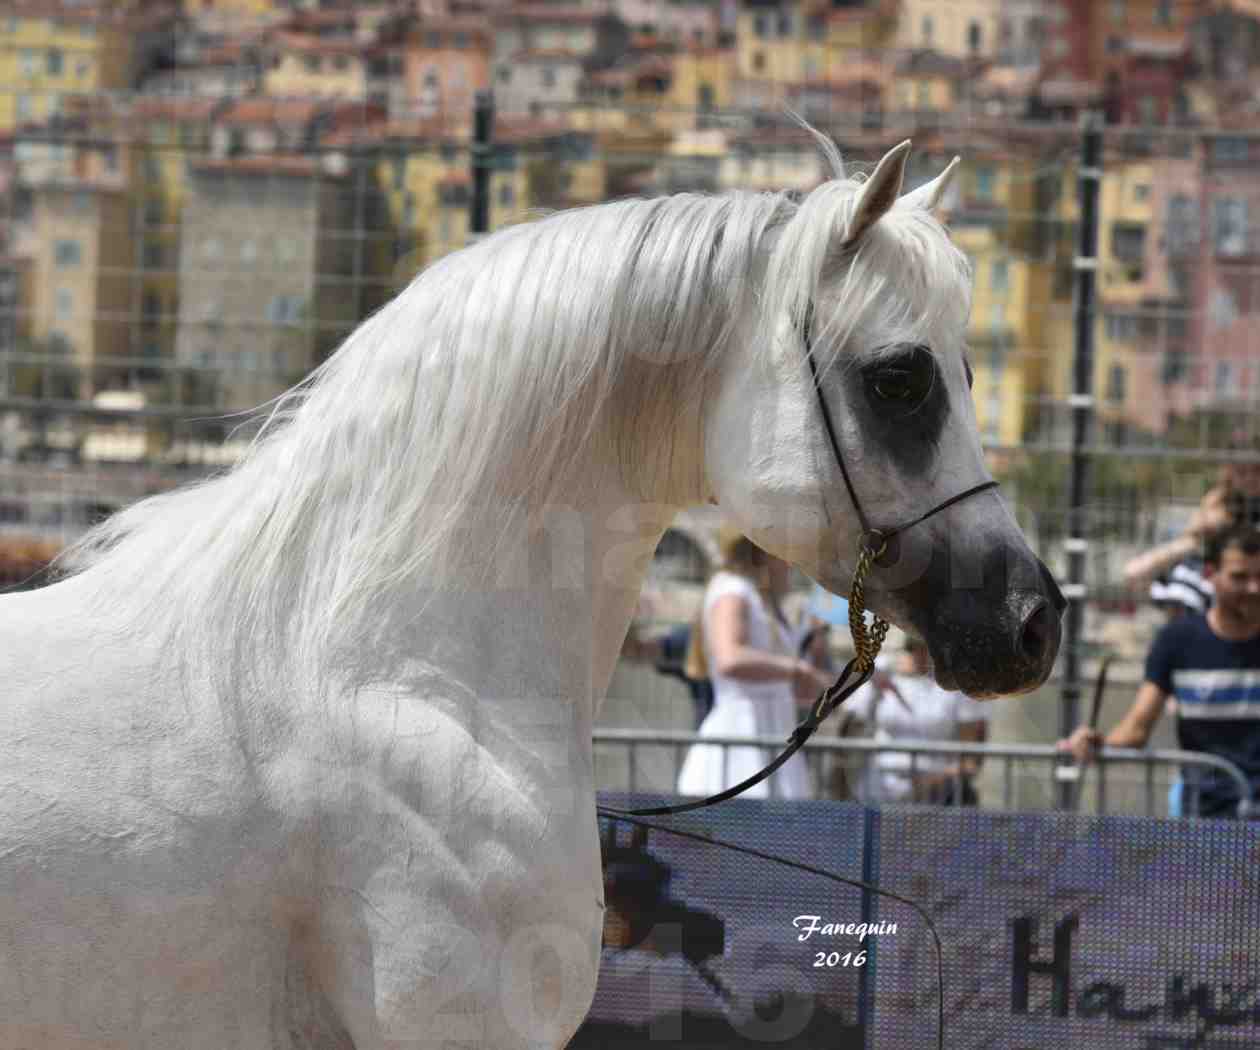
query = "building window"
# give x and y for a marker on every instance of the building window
(1176, 366)
(211, 248)
(431, 79)
(785, 23)
(1117, 379)
(284, 309)
(249, 250)
(312, 63)
(82, 67)
(1121, 328)
(453, 196)
(1224, 378)
(507, 195)
(25, 109)
(433, 40)
(1141, 193)
(761, 26)
(816, 27)
(67, 253)
(65, 304)
(461, 41)
(974, 37)
(927, 29)
(1229, 149)
(154, 257)
(1182, 224)
(548, 77)
(984, 183)
(56, 62)
(30, 62)
(1128, 241)
(1229, 225)
(1118, 12)
(505, 75)
(1163, 13)
(999, 275)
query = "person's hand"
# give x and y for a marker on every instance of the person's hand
(882, 681)
(1084, 744)
(638, 649)
(1213, 514)
(926, 785)
(808, 681)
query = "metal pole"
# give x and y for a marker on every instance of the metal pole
(1085, 265)
(482, 146)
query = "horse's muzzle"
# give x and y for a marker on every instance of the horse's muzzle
(1001, 646)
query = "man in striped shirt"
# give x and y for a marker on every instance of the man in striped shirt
(1210, 665)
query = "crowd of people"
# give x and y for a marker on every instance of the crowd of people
(753, 672)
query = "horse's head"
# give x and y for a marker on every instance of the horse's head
(868, 284)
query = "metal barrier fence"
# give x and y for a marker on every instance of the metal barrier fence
(634, 760)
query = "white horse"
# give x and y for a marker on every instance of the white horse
(301, 756)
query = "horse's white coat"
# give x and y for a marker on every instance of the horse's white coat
(302, 757)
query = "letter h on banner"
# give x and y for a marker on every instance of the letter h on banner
(1023, 965)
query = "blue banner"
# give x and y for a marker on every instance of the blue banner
(1058, 929)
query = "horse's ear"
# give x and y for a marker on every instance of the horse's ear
(929, 195)
(878, 193)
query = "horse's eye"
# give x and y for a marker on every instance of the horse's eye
(903, 382)
(894, 384)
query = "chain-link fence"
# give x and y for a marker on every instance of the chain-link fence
(170, 262)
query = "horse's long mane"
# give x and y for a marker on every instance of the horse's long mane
(468, 400)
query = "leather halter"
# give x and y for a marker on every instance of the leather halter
(872, 544)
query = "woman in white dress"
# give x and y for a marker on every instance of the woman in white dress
(743, 643)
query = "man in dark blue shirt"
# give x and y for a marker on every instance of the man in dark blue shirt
(1210, 665)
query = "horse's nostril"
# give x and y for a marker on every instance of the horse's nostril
(1056, 595)
(1037, 633)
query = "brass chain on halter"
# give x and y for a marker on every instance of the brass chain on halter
(867, 639)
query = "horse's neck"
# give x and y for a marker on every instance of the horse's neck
(548, 627)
